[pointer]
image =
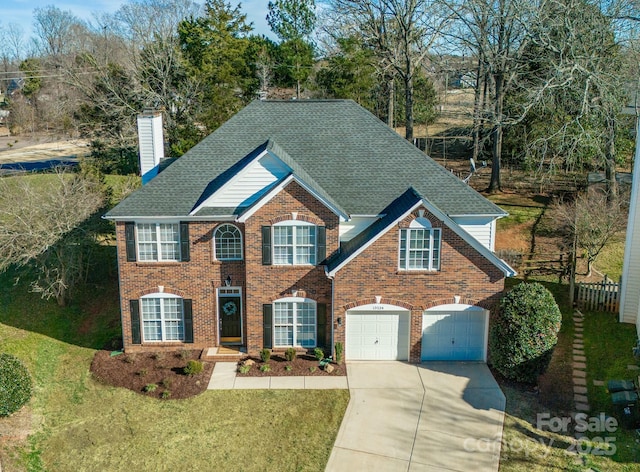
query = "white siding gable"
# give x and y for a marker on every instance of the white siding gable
(481, 228)
(250, 184)
(349, 229)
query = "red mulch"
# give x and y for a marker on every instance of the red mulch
(302, 365)
(164, 369)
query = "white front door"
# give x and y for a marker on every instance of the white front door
(377, 336)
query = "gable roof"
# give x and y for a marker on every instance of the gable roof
(399, 209)
(340, 149)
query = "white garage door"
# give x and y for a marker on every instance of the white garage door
(377, 336)
(454, 336)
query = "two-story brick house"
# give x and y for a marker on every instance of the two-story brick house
(304, 224)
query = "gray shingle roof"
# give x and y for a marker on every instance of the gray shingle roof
(335, 145)
(392, 212)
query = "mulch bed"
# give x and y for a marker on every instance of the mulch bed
(164, 369)
(302, 365)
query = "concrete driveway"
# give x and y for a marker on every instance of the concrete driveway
(427, 417)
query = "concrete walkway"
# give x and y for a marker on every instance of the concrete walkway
(224, 378)
(430, 417)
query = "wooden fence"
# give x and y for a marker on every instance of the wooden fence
(599, 296)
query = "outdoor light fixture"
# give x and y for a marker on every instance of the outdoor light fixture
(339, 321)
(227, 282)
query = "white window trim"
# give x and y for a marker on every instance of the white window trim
(161, 296)
(295, 301)
(215, 231)
(294, 223)
(420, 224)
(158, 241)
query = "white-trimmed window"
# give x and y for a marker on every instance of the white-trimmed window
(162, 317)
(294, 323)
(158, 241)
(227, 240)
(294, 243)
(420, 246)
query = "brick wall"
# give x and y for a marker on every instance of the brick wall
(267, 283)
(464, 273)
(197, 280)
(374, 273)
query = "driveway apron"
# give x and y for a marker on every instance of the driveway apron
(427, 417)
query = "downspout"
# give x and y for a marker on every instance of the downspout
(326, 272)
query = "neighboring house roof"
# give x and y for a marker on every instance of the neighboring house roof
(346, 154)
(392, 214)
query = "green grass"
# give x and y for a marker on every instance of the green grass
(610, 260)
(84, 425)
(518, 215)
(608, 346)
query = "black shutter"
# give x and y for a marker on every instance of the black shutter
(188, 320)
(321, 323)
(266, 245)
(322, 244)
(134, 306)
(130, 238)
(184, 242)
(267, 326)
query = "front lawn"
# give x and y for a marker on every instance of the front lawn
(75, 423)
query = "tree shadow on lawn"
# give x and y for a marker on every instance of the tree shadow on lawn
(92, 318)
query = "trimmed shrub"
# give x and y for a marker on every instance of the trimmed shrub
(193, 367)
(16, 386)
(339, 352)
(265, 355)
(319, 353)
(290, 354)
(265, 368)
(524, 332)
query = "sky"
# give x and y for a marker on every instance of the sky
(21, 11)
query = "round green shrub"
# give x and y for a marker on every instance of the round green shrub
(524, 332)
(16, 386)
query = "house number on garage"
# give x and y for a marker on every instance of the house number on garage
(378, 307)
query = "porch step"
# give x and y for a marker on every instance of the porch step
(224, 353)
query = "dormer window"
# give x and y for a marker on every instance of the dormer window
(227, 240)
(420, 246)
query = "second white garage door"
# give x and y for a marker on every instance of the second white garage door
(377, 336)
(454, 335)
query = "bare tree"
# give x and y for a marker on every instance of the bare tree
(44, 225)
(590, 222)
(54, 29)
(401, 33)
